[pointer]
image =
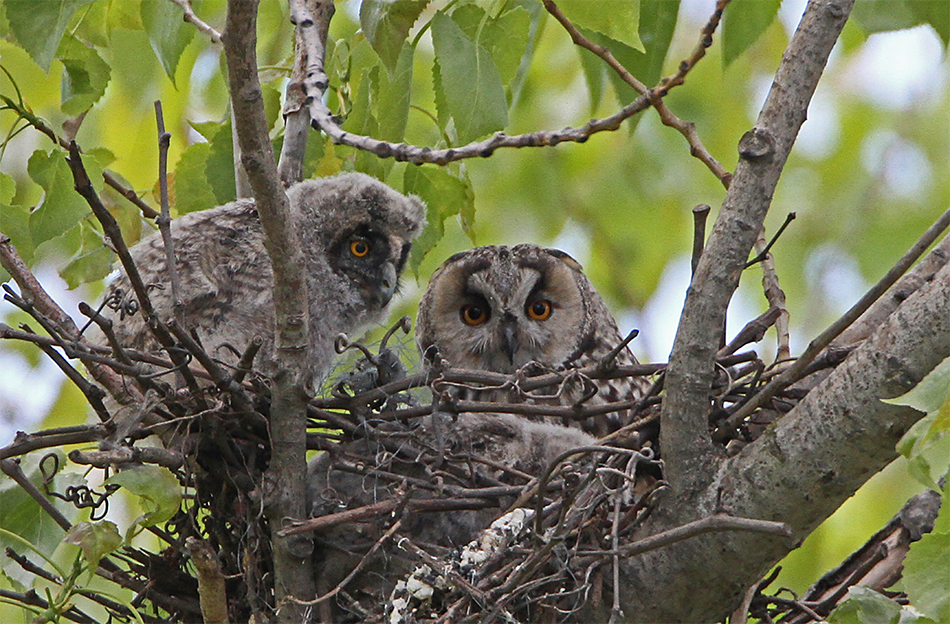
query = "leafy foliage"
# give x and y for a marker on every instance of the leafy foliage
(620, 203)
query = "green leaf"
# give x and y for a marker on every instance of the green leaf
(471, 83)
(933, 12)
(167, 32)
(192, 189)
(445, 195)
(158, 490)
(125, 14)
(927, 438)
(96, 539)
(7, 188)
(617, 19)
(62, 206)
(505, 37)
(744, 23)
(657, 23)
(361, 120)
(931, 394)
(219, 165)
(39, 26)
(393, 101)
(865, 606)
(883, 15)
(93, 262)
(927, 576)
(386, 24)
(85, 76)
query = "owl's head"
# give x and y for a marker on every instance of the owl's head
(361, 229)
(497, 308)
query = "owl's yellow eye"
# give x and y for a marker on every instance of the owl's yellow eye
(540, 310)
(359, 247)
(474, 314)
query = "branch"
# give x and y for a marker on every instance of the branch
(688, 451)
(687, 129)
(803, 468)
(211, 591)
(32, 292)
(198, 23)
(322, 119)
(817, 345)
(285, 487)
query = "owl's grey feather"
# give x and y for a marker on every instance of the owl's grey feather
(510, 441)
(505, 282)
(226, 279)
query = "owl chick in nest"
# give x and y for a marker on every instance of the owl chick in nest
(498, 308)
(355, 233)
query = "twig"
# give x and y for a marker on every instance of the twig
(608, 361)
(700, 213)
(196, 21)
(824, 339)
(687, 129)
(357, 568)
(110, 179)
(32, 291)
(164, 220)
(764, 252)
(27, 442)
(776, 298)
(211, 590)
(753, 331)
(111, 229)
(322, 118)
(128, 455)
(11, 468)
(719, 522)
(322, 523)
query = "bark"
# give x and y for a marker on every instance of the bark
(799, 472)
(285, 483)
(688, 451)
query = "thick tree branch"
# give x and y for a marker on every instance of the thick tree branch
(687, 448)
(285, 482)
(800, 471)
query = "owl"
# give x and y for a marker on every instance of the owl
(355, 233)
(499, 308)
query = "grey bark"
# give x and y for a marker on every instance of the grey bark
(285, 482)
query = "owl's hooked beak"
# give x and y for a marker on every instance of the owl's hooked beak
(386, 287)
(511, 342)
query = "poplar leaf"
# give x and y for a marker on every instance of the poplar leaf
(386, 24)
(39, 26)
(744, 23)
(470, 81)
(85, 76)
(445, 195)
(167, 32)
(617, 19)
(62, 207)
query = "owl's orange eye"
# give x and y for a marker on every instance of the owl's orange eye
(540, 310)
(474, 314)
(359, 247)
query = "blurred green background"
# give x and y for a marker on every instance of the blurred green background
(869, 173)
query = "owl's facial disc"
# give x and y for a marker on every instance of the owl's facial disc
(369, 260)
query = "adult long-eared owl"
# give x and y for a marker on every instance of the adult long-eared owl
(355, 232)
(498, 308)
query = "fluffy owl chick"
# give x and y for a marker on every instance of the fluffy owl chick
(355, 233)
(498, 308)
